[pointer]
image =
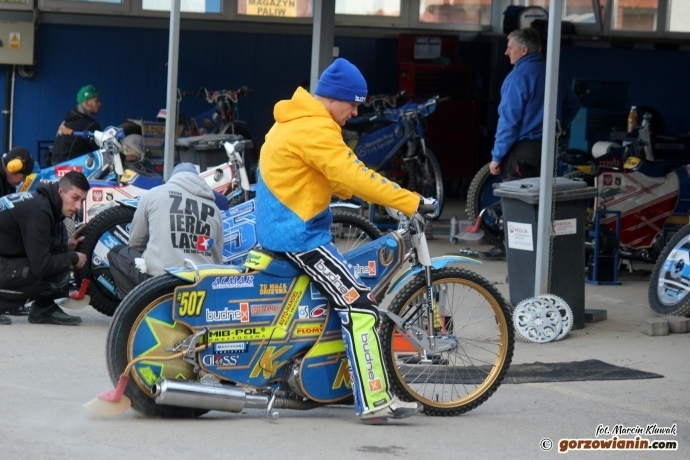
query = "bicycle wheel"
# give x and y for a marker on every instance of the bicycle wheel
(669, 284)
(458, 380)
(351, 230)
(480, 195)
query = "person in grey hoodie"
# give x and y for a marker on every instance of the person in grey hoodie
(174, 221)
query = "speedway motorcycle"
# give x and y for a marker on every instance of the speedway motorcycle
(112, 227)
(649, 195)
(203, 338)
(669, 284)
(392, 142)
(222, 118)
(131, 184)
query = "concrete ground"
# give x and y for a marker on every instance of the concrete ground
(47, 372)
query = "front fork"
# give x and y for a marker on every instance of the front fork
(433, 339)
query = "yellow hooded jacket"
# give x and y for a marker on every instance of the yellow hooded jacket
(305, 161)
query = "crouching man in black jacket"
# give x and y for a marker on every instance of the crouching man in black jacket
(34, 262)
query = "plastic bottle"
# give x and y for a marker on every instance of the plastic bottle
(453, 229)
(632, 118)
(647, 121)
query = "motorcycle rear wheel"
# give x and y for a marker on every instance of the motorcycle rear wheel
(480, 195)
(143, 325)
(451, 382)
(428, 180)
(115, 222)
(351, 230)
(668, 288)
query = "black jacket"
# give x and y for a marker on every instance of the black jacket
(67, 146)
(5, 187)
(28, 224)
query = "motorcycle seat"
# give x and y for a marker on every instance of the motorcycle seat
(659, 168)
(274, 263)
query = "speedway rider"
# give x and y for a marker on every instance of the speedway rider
(303, 162)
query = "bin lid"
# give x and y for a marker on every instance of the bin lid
(527, 190)
(533, 185)
(206, 141)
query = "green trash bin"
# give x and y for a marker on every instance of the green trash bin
(520, 204)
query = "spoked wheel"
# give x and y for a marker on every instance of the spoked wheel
(480, 195)
(458, 380)
(108, 229)
(428, 180)
(351, 230)
(669, 284)
(144, 326)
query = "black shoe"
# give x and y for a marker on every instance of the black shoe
(52, 315)
(5, 320)
(495, 253)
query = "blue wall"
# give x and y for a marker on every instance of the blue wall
(129, 67)
(658, 79)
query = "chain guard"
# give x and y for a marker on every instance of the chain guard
(537, 320)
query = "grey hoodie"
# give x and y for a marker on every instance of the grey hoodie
(175, 221)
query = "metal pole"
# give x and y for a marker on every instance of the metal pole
(553, 54)
(322, 39)
(171, 99)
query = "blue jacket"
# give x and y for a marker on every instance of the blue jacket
(521, 111)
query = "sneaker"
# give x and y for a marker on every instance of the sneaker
(52, 315)
(395, 409)
(5, 320)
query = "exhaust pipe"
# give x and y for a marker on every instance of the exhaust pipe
(215, 396)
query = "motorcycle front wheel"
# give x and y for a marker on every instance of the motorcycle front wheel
(669, 284)
(144, 326)
(474, 313)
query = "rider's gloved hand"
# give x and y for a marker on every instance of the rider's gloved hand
(429, 208)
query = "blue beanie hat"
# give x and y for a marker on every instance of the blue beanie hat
(342, 81)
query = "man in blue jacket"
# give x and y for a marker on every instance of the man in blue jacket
(517, 149)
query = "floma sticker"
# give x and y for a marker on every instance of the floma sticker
(233, 282)
(368, 270)
(227, 314)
